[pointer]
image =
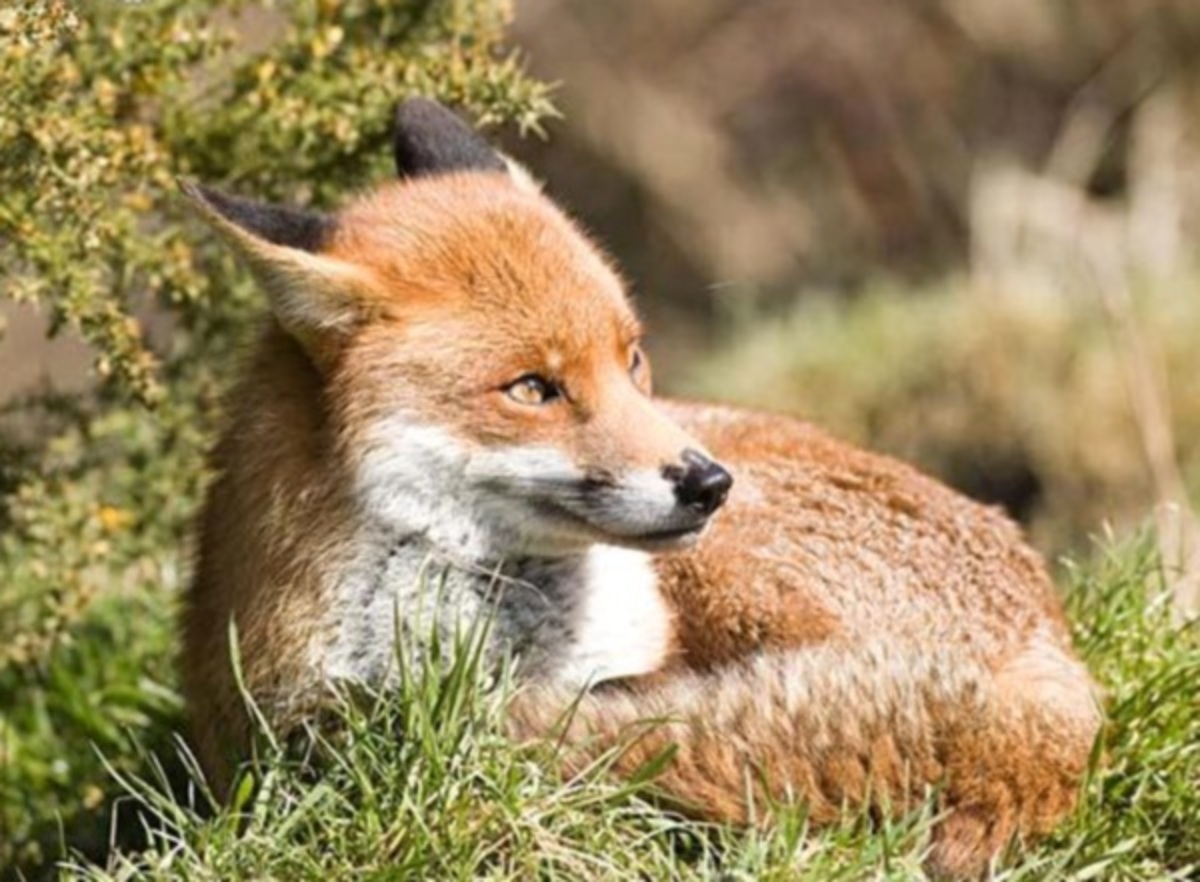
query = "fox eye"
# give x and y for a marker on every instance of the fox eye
(637, 364)
(636, 360)
(532, 390)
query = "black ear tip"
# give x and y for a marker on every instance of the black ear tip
(430, 139)
(193, 190)
(210, 197)
(277, 224)
(421, 112)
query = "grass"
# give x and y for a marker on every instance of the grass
(423, 785)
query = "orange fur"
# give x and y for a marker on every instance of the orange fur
(850, 628)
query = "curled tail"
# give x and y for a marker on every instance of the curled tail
(837, 726)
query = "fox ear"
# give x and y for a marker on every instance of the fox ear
(430, 140)
(312, 294)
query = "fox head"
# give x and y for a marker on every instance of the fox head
(480, 363)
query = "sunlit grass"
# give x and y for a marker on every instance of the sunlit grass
(422, 783)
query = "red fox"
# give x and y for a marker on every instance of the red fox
(452, 384)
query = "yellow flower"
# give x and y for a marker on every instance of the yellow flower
(114, 519)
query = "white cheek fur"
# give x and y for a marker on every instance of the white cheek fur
(463, 499)
(421, 479)
(415, 479)
(646, 495)
(518, 467)
(411, 480)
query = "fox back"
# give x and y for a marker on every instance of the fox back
(451, 390)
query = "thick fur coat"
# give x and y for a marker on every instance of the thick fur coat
(450, 389)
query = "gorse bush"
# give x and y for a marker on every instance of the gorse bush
(105, 104)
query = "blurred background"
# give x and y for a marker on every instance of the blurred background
(963, 232)
(959, 231)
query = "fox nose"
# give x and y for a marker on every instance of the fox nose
(700, 484)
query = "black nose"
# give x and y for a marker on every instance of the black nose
(700, 483)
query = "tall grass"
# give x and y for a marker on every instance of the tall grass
(420, 782)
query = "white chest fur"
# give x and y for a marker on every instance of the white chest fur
(576, 621)
(624, 626)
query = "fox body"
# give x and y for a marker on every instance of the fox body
(451, 392)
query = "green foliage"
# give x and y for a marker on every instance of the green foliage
(422, 783)
(1147, 799)
(104, 105)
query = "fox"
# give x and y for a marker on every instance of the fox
(451, 386)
